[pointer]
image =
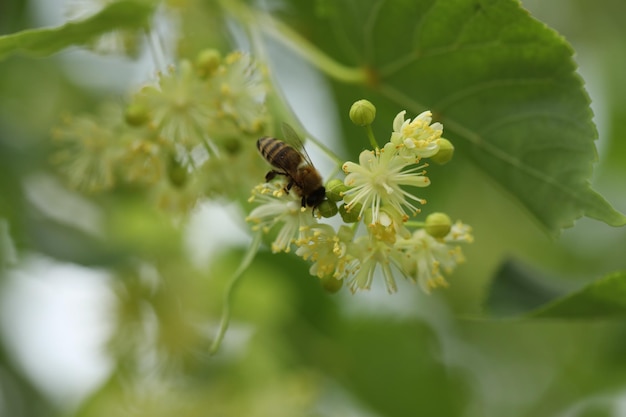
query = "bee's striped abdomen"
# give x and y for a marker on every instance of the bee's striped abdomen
(302, 177)
(279, 154)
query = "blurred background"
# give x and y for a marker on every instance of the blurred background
(123, 328)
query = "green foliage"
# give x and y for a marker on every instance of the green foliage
(604, 298)
(503, 85)
(41, 42)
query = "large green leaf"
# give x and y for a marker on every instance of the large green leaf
(42, 42)
(604, 298)
(503, 84)
(517, 288)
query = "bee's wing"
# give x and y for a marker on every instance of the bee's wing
(291, 137)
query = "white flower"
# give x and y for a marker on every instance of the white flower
(377, 248)
(90, 148)
(460, 233)
(425, 256)
(179, 106)
(327, 250)
(416, 138)
(376, 182)
(192, 111)
(238, 85)
(280, 208)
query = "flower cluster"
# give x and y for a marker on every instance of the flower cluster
(378, 193)
(185, 136)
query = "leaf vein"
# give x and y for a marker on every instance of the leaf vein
(489, 148)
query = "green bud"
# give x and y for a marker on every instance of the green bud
(136, 115)
(176, 172)
(327, 208)
(351, 216)
(335, 189)
(232, 145)
(362, 113)
(331, 284)
(446, 150)
(438, 225)
(207, 62)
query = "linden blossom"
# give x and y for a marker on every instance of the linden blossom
(376, 181)
(279, 208)
(328, 251)
(426, 256)
(374, 188)
(416, 138)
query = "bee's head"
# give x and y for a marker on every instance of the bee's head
(316, 197)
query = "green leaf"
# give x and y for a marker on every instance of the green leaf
(517, 288)
(602, 299)
(504, 86)
(42, 42)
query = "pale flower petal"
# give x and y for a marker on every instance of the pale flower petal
(416, 138)
(398, 121)
(281, 209)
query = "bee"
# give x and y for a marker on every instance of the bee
(293, 164)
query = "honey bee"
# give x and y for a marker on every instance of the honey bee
(293, 164)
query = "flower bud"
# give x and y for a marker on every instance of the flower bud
(351, 216)
(438, 225)
(331, 284)
(207, 62)
(446, 150)
(136, 115)
(362, 113)
(335, 189)
(176, 172)
(231, 145)
(327, 208)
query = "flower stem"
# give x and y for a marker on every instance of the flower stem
(370, 135)
(230, 289)
(294, 41)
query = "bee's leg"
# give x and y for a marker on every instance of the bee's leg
(303, 201)
(270, 175)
